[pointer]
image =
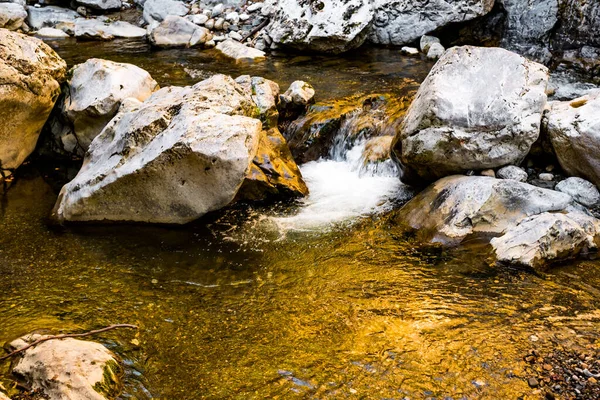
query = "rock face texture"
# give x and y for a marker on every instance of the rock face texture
(574, 130)
(12, 16)
(527, 225)
(94, 93)
(322, 26)
(182, 153)
(400, 22)
(478, 108)
(30, 76)
(68, 369)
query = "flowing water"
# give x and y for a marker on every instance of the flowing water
(324, 300)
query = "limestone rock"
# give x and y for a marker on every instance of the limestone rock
(51, 33)
(176, 31)
(30, 76)
(325, 26)
(265, 94)
(94, 94)
(544, 238)
(180, 154)
(400, 22)
(478, 108)
(582, 191)
(68, 369)
(158, 10)
(240, 52)
(377, 149)
(457, 207)
(95, 29)
(101, 5)
(512, 172)
(50, 16)
(574, 130)
(12, 16)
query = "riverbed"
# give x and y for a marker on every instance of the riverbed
(293, 302)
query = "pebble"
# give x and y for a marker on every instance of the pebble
(255, 7)
(411, 51)
(210, 24)
(244, 17)
(235, 36)
(217, 10)
(219, 24)
(488, 172)
(533, 383)
(233, 18)
(546, 176)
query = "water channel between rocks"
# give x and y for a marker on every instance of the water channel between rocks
(326, 301)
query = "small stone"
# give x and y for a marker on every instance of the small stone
(488, 172)
(210, 24)
(512, 172)
(410, 51)
(547, 367)
(435, 51)
(545, 176)
(533, 383)
(426, 42)
(244, 17)
(255, 7)
(217, 10)
(235, 36)
(591, 379)
(219, 24)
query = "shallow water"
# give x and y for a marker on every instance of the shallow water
(231, 308)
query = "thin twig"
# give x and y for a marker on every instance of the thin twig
(255, 30)
(67, 335)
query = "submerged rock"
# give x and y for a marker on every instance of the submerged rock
(400, 22)
(239, 51)
(325, 26)
(182, 153)
(12, 16)
(30, 76)
(95, 91)
(574, 130)
(478, 108)
(68, 369)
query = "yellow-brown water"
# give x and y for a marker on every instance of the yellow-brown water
(232, 311)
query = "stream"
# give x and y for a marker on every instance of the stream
(325, 299)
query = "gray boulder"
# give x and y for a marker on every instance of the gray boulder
(68, 369)
(176, 31)
(12, 16)
(30, 77)
(326, 26)
(478, 108)
(182, 153)
(574, 130)
(158, 10)
(544, 238)
(101, 5)
(94, 94)
(512, 172)
(582, 191)
(50, 16)
(400, 22)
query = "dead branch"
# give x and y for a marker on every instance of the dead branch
(67, 335)
(255, 30)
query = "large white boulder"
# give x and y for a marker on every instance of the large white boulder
(574, 130)
(324, 26)
(478, 108)
(95, 91)
(400, 22)
(180, 154)
(68, 369)
(30, 76)
(12, 16)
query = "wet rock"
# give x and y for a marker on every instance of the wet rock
(273, 173)
(296, 99)
(377, 149)
(30, 77)
(12, 16)
(512, 172)
(574, 130)
(182, 153)
(50, 16)
(409, 51)
(265, 94)
(582, 191)
(457, 207)
(158, 10)
(95, 29)
(325, 26)
(176, 31)
(51, 33)
(68, 369)
(92, 98)
(400, 22)
(101, 5)
(478, 108)
(544, 238)
(240, 52)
